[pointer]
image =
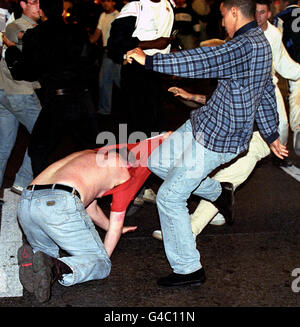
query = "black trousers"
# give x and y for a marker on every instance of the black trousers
(143, 97)
(71, 114)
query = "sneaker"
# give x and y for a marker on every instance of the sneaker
(297, 142)
(157, 234)
(17, 189)
(218, 220)
(149, 196)
(138, 202)
(25, 258)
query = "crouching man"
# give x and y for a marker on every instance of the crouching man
(59, 208)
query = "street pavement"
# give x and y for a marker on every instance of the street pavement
(253, 263)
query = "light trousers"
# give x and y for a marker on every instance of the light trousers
(236, 174)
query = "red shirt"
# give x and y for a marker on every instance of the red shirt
(139, 152)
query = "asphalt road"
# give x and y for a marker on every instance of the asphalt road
(254, 263)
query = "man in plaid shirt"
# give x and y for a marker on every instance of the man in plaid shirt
(215, 133)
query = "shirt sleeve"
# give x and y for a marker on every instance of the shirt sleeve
(100, 22)
(120, 39)
(224, 61)
(266, 115)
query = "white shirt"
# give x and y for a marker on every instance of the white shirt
(154, 20)
(104, 24)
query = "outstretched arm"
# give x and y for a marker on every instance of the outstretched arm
(116, 221)
(113, 226)
(177, 91)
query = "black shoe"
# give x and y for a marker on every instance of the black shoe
(195, 278)
(225, 202)
(285, 162)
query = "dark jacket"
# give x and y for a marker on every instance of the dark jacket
(55, 53)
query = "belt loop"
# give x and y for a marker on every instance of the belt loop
(32, 191)
(53, 186)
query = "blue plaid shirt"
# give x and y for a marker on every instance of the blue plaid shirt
(245, 90)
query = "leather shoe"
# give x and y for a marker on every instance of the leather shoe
(225, 202)
(195, 278)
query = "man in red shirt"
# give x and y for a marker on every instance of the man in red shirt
(59, 209)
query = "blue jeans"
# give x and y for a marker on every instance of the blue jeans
(15, 109)
(183, 164)
(53, 219)
(109, 74)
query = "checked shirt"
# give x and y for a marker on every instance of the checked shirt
(244, 94)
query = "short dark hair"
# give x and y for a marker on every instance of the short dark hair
(52, 8)
(268, 3)
(247, 7)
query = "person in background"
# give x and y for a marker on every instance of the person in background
(19, 102)
(110, 70)
(186, 21)
(58, 55)
(288, 22)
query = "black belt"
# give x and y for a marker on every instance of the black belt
(54, 186)
(69, 91)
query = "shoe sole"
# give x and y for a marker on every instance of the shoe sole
(42, 276)
(25, 261)
(195, 283)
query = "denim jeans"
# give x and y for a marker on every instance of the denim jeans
(53, 219)
(15, 109)
(110, 73)
(183, 164)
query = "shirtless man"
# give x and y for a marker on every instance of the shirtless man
(59, 209)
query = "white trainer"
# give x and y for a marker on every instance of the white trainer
(157, 234)
(218, 220)
(149, 196)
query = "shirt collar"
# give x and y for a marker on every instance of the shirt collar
(245, 28)
(29, 19)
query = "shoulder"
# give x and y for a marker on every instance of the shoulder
(130, 9)
(274, 31)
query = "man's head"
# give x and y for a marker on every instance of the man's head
(284, 3)
(31, 9)
(237, 13)
(51, 8)
(108, 5)
(263, 13)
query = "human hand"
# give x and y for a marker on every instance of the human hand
(126, 229)
(177, 91)
(137, 54)
(7, 42)
(198, 98)
(279, 149)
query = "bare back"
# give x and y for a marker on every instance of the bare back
(90, 173)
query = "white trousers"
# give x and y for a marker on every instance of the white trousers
(236, 174)
(294, 102)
